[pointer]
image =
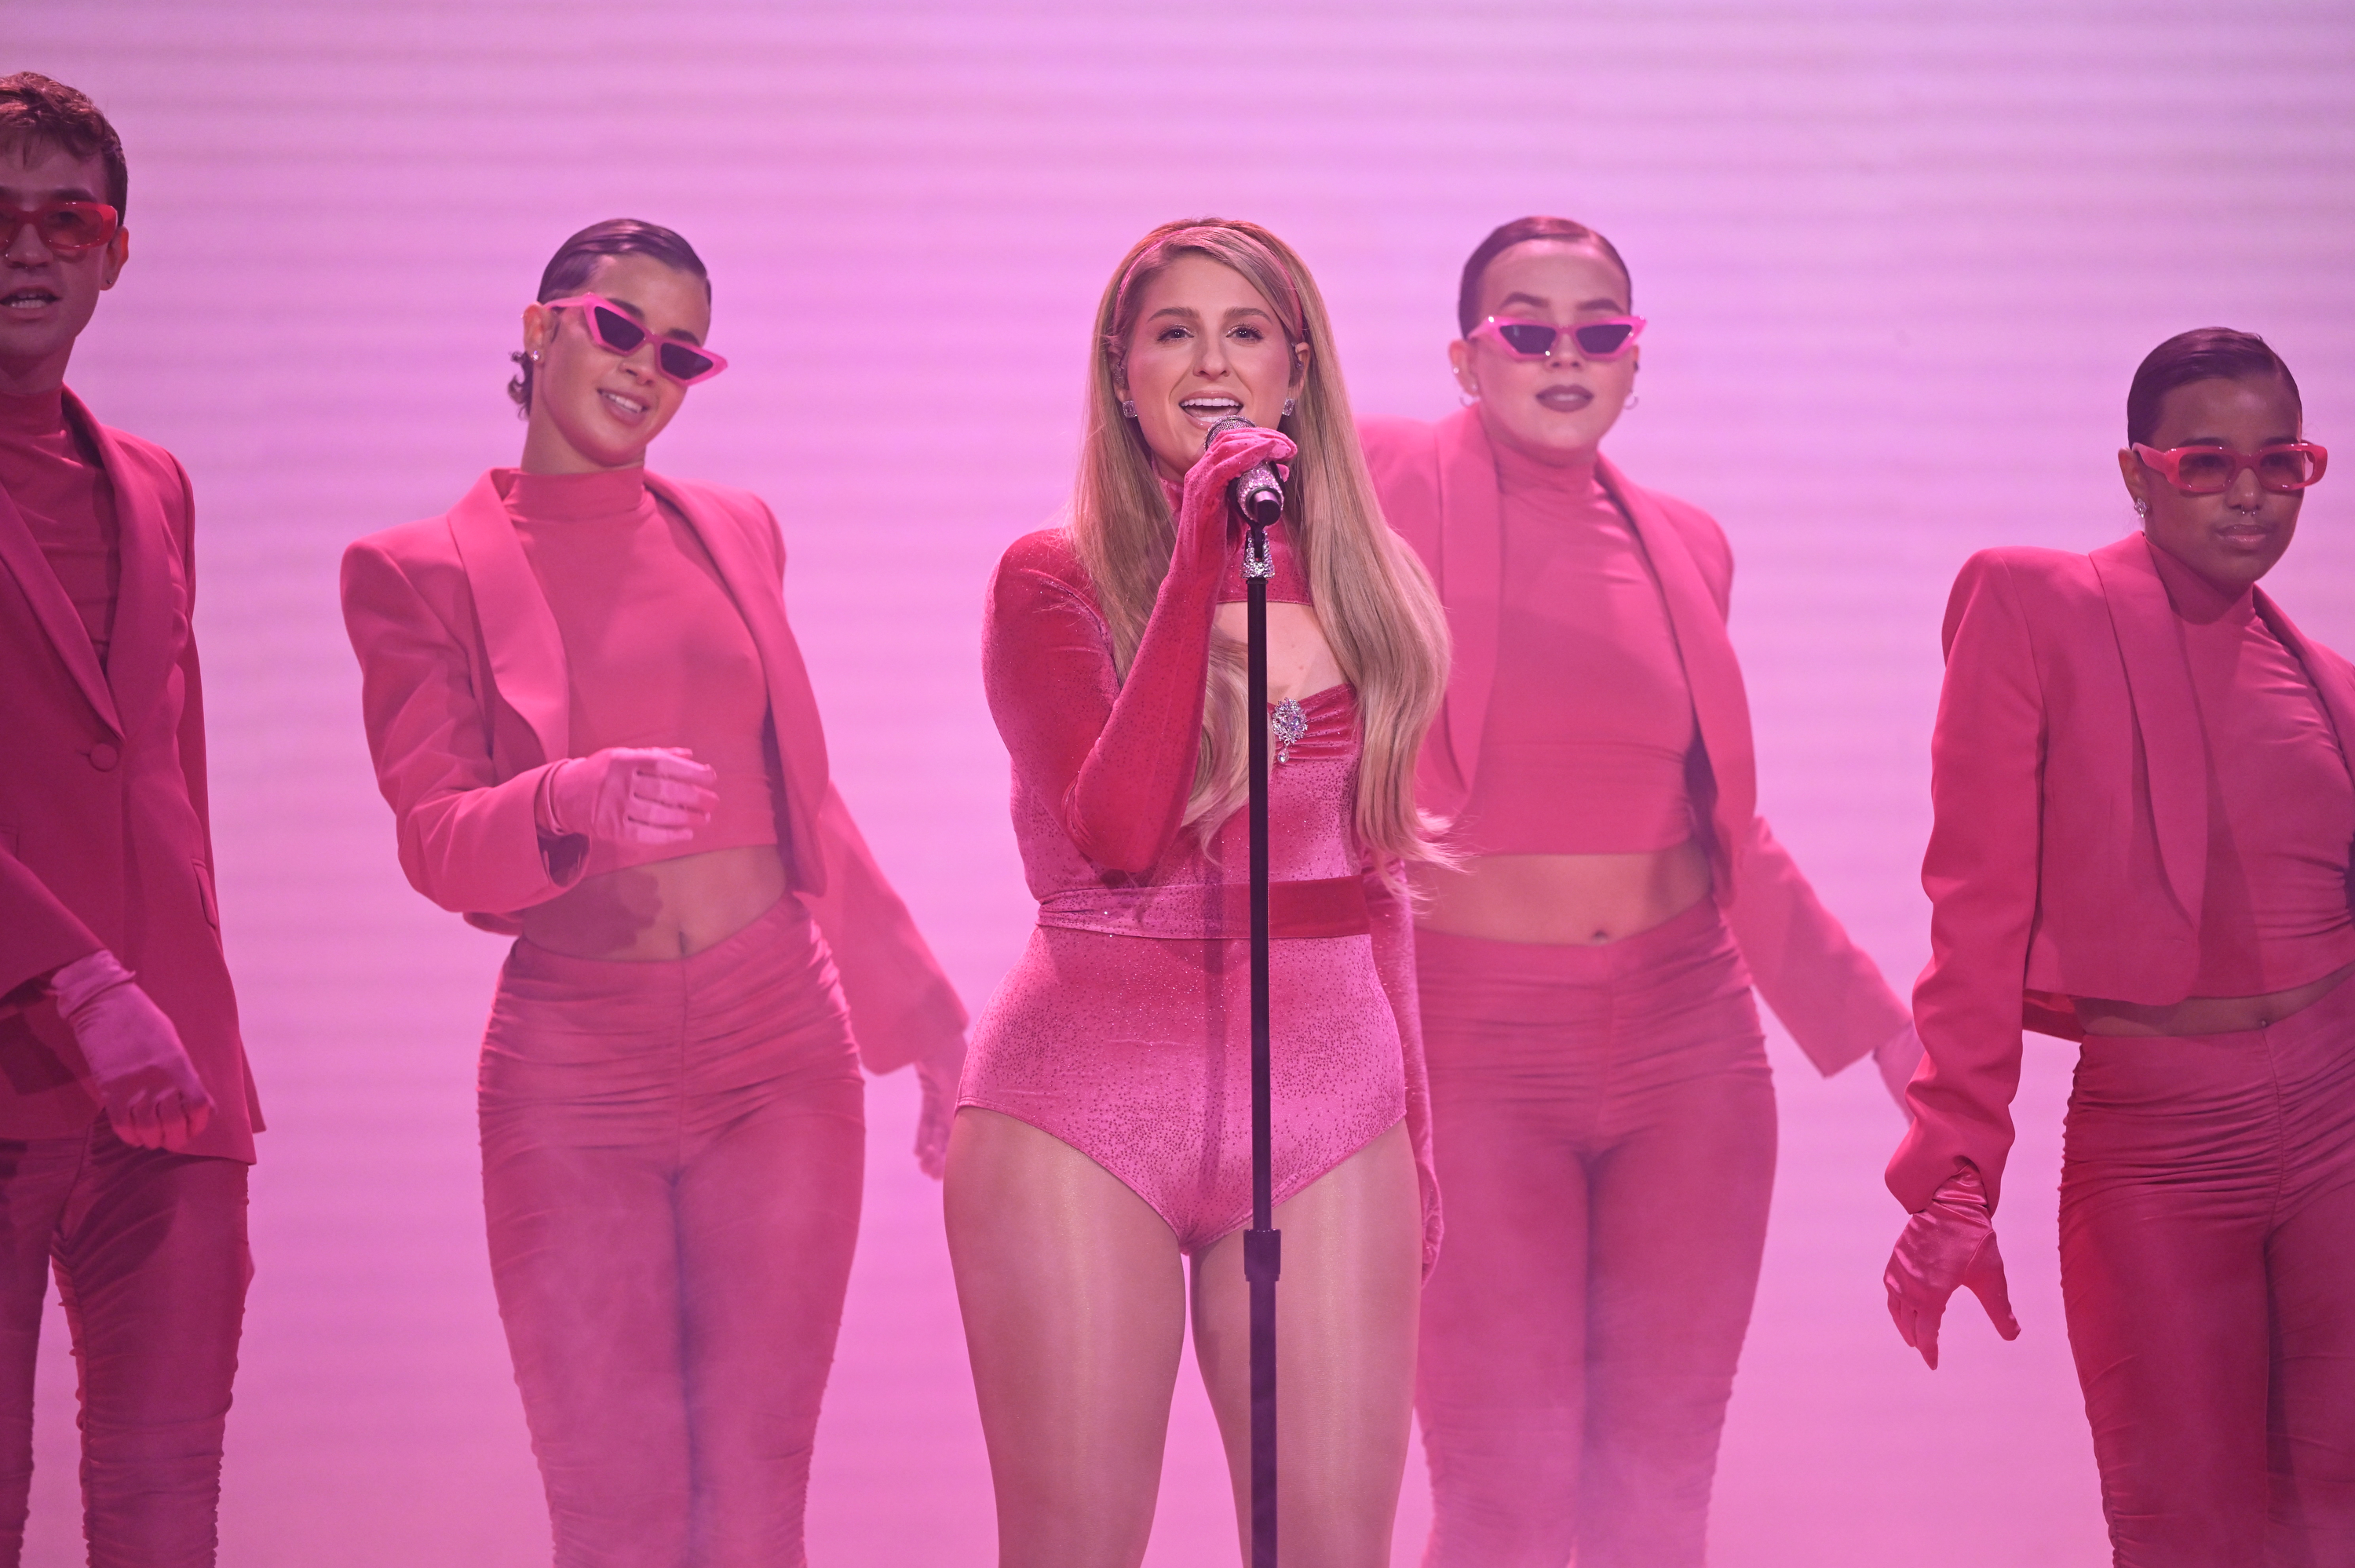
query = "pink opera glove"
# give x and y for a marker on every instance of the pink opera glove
(1896, 1059)
(939, 1082)
(150, 1089)
(1949, 1244)
(629, 794)
(1204, 511)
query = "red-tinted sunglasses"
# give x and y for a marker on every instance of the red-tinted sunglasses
(66, 227)
(2210, 470)
(615, 333)
(1607, 338)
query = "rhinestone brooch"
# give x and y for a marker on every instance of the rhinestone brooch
(1287, 723)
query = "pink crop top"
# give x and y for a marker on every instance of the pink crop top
(656, 650)
(1591, 718)
(2281, 804)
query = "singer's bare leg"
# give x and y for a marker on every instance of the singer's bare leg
(1075, 1301)
(1346, 1309)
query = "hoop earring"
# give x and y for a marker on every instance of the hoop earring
(1632, 398)
(1127, 409)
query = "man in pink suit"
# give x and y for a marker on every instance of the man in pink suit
(2145, 819)
(126, 1113)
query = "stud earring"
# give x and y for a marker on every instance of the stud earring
(1127, 409)
(535, 356)
(2142, 507)
(1287, 407)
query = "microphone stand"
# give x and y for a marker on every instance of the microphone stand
(1262, 1244)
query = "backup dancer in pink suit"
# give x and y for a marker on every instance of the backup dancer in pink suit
(1105, 1131)
(1601, 1114)
(2142, 844)
(595, 732)
(126, 1113)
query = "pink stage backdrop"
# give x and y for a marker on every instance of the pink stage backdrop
(1900, 261)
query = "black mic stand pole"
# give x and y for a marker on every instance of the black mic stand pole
(1262, 1244)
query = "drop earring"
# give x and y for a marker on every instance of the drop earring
(2142, 507)
(1287, 407)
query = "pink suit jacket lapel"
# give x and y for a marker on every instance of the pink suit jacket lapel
(2166, 712)
(20, 554)
(1721, 701)
(526, 651)
(151, 621)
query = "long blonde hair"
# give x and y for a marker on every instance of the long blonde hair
(1376, 604)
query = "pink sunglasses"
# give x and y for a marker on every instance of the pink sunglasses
(1606, 338)
(2211, 471)
(613, 329)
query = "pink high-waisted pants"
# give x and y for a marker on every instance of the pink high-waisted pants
(671, 1170)
(2208, 1267)
(1603, 1122)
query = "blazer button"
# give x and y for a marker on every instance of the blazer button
(103, 757)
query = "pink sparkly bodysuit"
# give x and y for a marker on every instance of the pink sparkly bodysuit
(1124, 1029)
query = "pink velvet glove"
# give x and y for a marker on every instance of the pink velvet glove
(939, 1081)
(150, 1089)
(629, 794)
(1949, 1244)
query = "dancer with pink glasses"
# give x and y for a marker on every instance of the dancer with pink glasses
(2144, 820)
(592, 725)
(1601, 1117)
(1104, 1136)
(127, 1113)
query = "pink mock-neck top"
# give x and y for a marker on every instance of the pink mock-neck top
(2281, 804)
(68, 502)
(1591, 718)
(656, 650)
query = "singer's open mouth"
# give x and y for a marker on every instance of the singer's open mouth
(1209, 411)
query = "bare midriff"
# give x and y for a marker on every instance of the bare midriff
(1562, 898)
(662, 909)
(2204, 1014)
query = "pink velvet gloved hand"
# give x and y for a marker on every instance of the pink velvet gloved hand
(629, 794)
(153, 1095)
(1948, 1245)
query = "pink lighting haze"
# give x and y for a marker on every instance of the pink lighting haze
(1897, 267)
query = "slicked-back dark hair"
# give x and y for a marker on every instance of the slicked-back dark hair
(34, 109)
(575, 262)
(2204, 353)
(1520, 232)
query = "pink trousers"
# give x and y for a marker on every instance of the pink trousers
(151, 1260)
(1603, 1126)
(2208, 1267)
(671, 1167)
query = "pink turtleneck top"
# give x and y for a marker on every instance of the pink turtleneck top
(656, 650)
(67, 501)
(1591, 718)
(2281, 804)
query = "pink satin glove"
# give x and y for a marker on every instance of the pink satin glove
(630, 794)
(150, 1089)
(939, 1082)
(1204, 509)
(1896, 1059)
(1948, 1245)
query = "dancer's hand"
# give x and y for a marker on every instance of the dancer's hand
(939, 1083)
(1949, 1244)
(1896, 1059)
(1203, 508)
(153, 1095)
(630, 794)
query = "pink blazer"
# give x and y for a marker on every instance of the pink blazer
(1438, 486)
(463, 688)
(2070, 853)
(104, 837)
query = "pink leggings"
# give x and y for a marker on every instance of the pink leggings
(2208, 1265)
(671, 1164)
(1603, 1128)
